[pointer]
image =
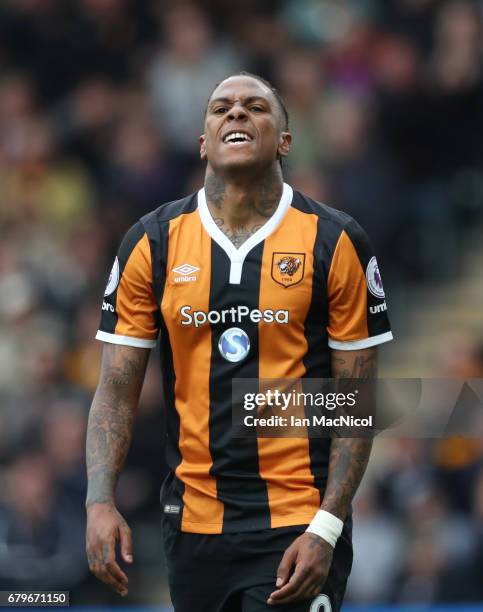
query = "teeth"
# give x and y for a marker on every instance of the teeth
(236, 136)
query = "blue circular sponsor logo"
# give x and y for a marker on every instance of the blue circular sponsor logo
(234, 344)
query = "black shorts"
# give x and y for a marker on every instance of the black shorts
(236, 572)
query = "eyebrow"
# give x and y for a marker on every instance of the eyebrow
(246, 101)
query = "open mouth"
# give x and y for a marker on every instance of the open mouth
(237, 138)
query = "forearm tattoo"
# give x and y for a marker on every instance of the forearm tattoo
(111, 419)
(347, 464)
(348, 456)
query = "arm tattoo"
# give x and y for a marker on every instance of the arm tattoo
(111, 419)
(359, 366)
(121, 375)
(348, 456)
(347, 464)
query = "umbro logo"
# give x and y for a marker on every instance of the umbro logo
(185, 273)
(379, 308)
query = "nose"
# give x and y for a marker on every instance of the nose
(237, 111)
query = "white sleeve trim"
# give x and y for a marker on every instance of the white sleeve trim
(125, 340)
(353, 345)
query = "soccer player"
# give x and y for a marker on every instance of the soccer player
(245, 279)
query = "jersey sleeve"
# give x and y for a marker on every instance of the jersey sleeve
(357, 305)
(129, 309)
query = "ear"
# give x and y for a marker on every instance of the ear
(203, 146)
(284, 143)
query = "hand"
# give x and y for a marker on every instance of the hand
(105, 527)
(309, 556)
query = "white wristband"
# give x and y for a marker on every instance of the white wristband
(327, 526)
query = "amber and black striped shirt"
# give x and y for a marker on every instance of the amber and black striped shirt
(305, 282)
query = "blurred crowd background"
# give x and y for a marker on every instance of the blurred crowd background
(101, 106)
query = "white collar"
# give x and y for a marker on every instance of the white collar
(237, 256)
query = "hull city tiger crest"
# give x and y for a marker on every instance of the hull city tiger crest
(288, 268)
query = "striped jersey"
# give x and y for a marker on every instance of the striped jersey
(306, 282)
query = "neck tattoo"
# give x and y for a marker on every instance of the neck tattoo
(237, 235)
(259, 206)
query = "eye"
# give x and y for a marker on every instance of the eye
(257, 108)
(219, 110)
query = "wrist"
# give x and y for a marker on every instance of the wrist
(327, 526)
(91, 504)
